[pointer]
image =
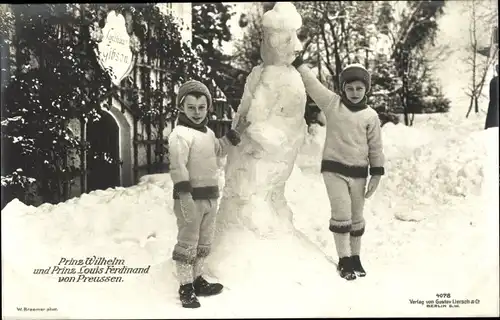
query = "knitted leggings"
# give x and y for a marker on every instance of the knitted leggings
(194, 238)
(347, 199)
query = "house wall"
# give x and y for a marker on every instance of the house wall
(125, 120)
(182, 12)
(125, 125)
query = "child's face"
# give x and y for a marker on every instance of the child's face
(195, 108)
(355, 91)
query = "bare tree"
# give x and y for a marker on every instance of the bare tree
(337, 33)
(479, 66)
(413, 36)
(335, 29)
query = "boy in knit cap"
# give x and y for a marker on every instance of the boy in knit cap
(353, 150)
(193, 153)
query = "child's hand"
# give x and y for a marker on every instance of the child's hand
(188, 206)
(372, 185)
(298, 61)
(242, 125)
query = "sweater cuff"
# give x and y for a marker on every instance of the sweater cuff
(233, 137)
(377, 171)
(183, 187)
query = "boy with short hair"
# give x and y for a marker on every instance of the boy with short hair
(193, 153)
(353, 149)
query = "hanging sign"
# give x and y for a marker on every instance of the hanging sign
(115, 53)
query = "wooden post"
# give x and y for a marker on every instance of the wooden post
(159, 141)
(136, 153)
(83, 129)
(83, 156)
(161, 125)
(134, 134)
(147, 86)
(65, 175)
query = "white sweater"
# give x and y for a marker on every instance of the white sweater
(193, 159)
(352, 138)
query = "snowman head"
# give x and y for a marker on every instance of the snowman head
(280, 43)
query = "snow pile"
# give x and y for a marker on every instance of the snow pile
(436, 171)
(107, 218)
(437, 162)
(134, 224)
(400, 141)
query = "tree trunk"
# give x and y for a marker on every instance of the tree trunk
(405, 112)
(65, 177)
(336, 53)
(470, 106)
(328, 64)
(404, 91)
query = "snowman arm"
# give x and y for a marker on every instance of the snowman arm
(248, 93)
(321, 95)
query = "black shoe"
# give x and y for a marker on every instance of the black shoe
(345, 268)
(357, 267)
(188, 296)
(203, 288)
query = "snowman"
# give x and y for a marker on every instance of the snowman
(274, 100)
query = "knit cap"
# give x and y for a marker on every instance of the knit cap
(193, 86)
(355, 72)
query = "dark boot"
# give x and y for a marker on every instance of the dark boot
(357, 267)
(203, 288)
(345, 268)
(188, 296)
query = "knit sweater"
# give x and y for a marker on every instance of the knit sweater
(353, 138)
(193, 161)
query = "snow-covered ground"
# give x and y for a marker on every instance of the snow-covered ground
(432, 228)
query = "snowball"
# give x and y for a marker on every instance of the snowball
(283, 16)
